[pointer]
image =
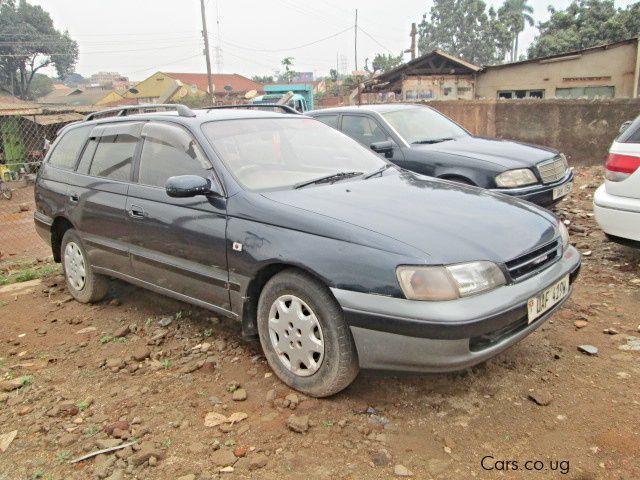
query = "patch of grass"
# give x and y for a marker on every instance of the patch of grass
(165, 362)
(208, 332)
(111, 339)
(327, 423)
(82, 406)
(229, 443)
(25, 271)
(179, 315)
(91, 431)
(25, 380)
(166, 443)
(3, 304)
(62, 457)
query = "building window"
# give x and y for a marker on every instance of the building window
(510, 94)
(585, 92)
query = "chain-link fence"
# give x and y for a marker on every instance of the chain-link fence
(24, 140)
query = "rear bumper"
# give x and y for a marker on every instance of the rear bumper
(538, 194)
(617, 216)
(400, 334)
(43, 226)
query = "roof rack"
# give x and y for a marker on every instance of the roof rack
(285, 108)
(123, 111)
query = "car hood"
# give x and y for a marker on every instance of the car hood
(446, 222)
(505, 153)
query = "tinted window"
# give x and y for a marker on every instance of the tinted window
(114, 156)
(331, 120)
(422, 125)
(68, 148)
(169, 150)
(362, 129)
(275, 153)
(632, 133)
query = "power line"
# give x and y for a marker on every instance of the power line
(288, 49)
(372, 38)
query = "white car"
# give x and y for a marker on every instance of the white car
(616, 203)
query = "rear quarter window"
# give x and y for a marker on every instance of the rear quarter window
(631, 134)
(66, 151)
(331, 120)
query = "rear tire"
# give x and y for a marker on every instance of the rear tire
(83, 283)
(304, 336)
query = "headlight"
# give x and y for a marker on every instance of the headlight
(516, 178)
(449, 282)
(564, 234)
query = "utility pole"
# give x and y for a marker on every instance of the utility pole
(355, 31)
(206, 51)
(355, 43)
(413, 34)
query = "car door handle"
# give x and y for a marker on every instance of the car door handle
(136, 211)
(74, 197)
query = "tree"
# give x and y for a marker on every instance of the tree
(333, 74)
(515, 15)
(73, 79)
(383, 62)
(30, 43)
(263, 78)
(462, 28)
(289, 74)
(40, 86)
(584, 24)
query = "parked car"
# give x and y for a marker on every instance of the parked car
(333, 257)
(425, 141)
(616, 203)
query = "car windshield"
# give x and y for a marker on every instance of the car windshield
(277, 153)
(423, 125)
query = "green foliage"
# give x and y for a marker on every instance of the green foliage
(24, 271)
(62, 457)
(383, 62)
(263, 78)
(40, 86)
(30, 43)
(289, 74)
(166, 363)
(584, 24)
(515, 15)
(463, 28)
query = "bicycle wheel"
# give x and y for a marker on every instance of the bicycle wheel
(6, 191)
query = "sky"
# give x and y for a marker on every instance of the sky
(140, 37)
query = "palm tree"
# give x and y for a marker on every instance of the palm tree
(516, 14)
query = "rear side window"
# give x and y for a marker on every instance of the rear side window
(66, 152)
(331, 120)
(167, 151)
(632, 133)
(114, 153)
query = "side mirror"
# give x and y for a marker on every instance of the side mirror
(183, 186)
(385, 147)
(624, 126)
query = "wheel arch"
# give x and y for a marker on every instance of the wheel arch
(457, 177)
(254, 288)
(58, 228)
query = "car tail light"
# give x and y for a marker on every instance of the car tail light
(618, 167)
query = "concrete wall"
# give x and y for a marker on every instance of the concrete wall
(582, 129)
(438, 87)
(615, 66)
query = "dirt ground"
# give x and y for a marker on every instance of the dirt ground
(142, 368)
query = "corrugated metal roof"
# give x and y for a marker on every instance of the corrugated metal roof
(54, 118)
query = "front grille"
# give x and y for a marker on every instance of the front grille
(553, 170)
(530, 263)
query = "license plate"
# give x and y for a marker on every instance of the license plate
(545, 300)
(562, 190)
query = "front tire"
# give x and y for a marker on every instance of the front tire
(83, 283)
(304, 336)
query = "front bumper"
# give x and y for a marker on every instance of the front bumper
(539, 194)
(399, 334)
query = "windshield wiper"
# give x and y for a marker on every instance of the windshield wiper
(433, 140)
(377, 172)
(334, 177)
